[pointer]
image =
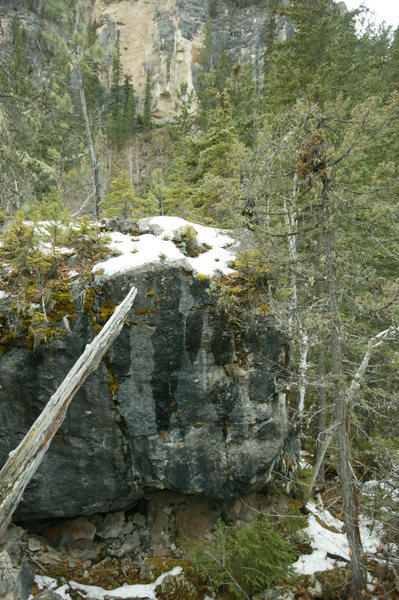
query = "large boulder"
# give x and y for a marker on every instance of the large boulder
(185, 399)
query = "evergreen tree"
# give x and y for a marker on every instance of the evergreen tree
(184, 118)
(115, 98)
(18, 243)
(54, 217)
(129, 119)
(81, 59)
(324, 58)
(217, 194)
(392, 69)
(147, 103)
(122, 202)
(244, 100)
(27, 167)
(180, 188)
(158, 190)
(312, 199)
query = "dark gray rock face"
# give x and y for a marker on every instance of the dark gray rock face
(184, 401)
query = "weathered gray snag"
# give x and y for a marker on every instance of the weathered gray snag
(24, 461)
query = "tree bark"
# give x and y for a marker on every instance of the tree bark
(98, 189)
(322, 416)
(350, 509)
(24, 461)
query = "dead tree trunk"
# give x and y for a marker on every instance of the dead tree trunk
(98, 188)
(24, 461)
(347, 480)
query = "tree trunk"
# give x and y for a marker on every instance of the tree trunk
(350, 509)
(24, 461)
(98, 189)
(322, 400)
(326, 435)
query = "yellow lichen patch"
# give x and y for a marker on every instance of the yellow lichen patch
(89, 299)
(38, 331)
(113, 385)
(62, 305)
(107, 310)
(151, 293)
(145, 311)
(202, 277)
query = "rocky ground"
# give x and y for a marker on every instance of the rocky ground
(140, 553)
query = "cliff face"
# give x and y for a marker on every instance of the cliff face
(166, 38)
(185, 400)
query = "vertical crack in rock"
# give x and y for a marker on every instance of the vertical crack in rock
(167, 356)
(123, 429)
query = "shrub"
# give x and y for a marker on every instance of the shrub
(246, 560)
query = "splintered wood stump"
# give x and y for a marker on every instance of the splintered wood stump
(24, 461)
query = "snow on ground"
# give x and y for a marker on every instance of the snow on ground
(158, 247)
(94, 592)
(326, 542)
(3, 294)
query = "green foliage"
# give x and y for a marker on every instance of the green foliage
(122, 202)
(89, 244)
(189, 237)
(158, 190)
(392, 67)
(54, 216)
(184, 118)
(245, 560)
(121, 103)
(323, 58)
(147, 115)
(213, 9)
(18, 243)
(244, 3)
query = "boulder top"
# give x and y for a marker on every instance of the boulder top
(164, 240)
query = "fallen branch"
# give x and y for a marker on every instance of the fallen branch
(24, 461)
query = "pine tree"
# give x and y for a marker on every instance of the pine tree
(158, 190)
(244, 100)
(27, 165)
(217, 194)
(392, 67)
(115, 98)
(18, 243)
(129, 119)
(147, 102)
(54, 217)
(183, 120)
(73, 50)
(324, 59)
(312, 196)
(122, 202)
